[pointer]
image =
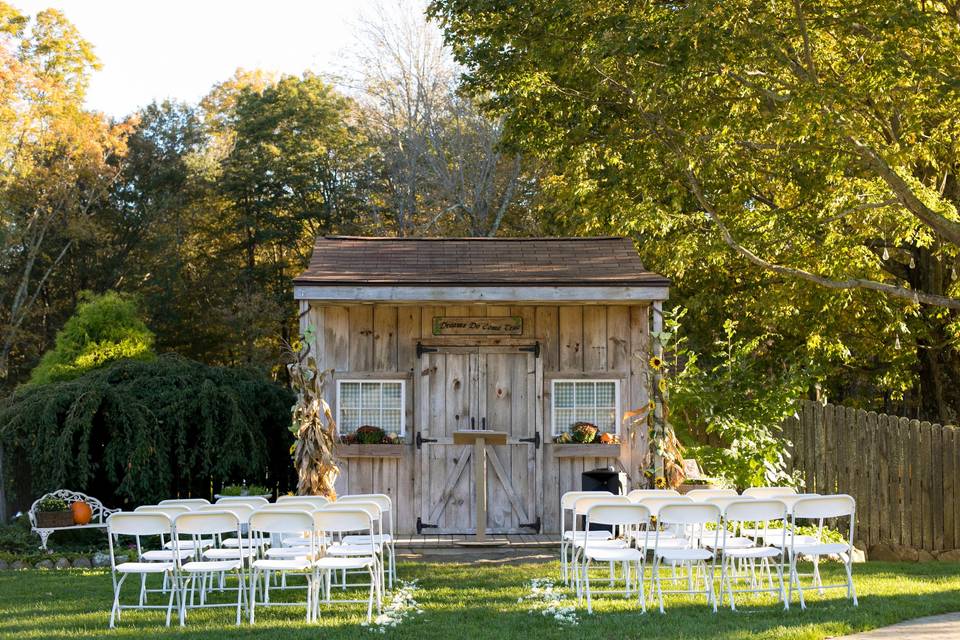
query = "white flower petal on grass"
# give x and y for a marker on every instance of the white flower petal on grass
(545, 598)
(401, 606)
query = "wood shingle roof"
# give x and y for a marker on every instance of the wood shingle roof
(573, 262)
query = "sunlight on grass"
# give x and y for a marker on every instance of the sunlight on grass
(468, 601)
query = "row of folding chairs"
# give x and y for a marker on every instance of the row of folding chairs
(251, 540)
(751, 535)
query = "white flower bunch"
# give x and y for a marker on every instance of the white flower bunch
(544, 597)
(401, 605)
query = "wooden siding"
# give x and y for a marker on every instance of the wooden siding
(576, 341)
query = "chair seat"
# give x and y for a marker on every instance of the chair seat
(609, 544)
(753, 552)
(210, 566)
(668, 543)
(349, 550)
(801, 540)
(189, 544)
(821, 549)
(228, 554)
(731, 543)
(384, 538)
(233, 543)
(297, 564)
(343, 562)
(144, 567)
(684, 555)
(760, 532)
(164, 555)
(289, 552)
(592, 535)
(614, 555)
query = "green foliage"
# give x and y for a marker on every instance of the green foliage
(245, 490)
(370, 435)
(52, 504)
(104, 328)
(727, 405)
(147, 430)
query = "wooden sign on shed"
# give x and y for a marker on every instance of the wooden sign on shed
(477, 326)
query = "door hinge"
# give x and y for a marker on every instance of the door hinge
(421, 525)
(534, 349)
(422, 350)
(530, 525)
(420, 440)
(535, 440)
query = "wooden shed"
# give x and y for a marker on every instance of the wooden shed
(427, 336)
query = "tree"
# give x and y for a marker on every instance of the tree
(57, 162)
(815, 140)
(103, 329)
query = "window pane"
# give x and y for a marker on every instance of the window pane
(349, 420)
(370, 395)
(585, 394)
(606, 394)
(391, 420)
(370, 417)
(607, 420)
(350, 395)
(391, 395)
(586, 414)
(563, 421)
(563, 394)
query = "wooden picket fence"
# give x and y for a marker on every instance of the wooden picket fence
(903, 473)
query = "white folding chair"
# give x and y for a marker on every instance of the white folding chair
(387, 538)
(354, 544)
(639, 494)
(766, 493)
(694, 555)
(194, 526)
(820, 508)
(343, 520)
(738, 549)
(166, 551)
(190, 503)
(137, 525)
(253, 501)
(243, 511)
(316, 501)
(702, 495)
(600, 537)
(631, 519)
(267, 523)
(566, 531)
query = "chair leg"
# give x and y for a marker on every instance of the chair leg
(641, 594)
(373, 583)
(656, 571)
(254, 579)
(586, 577)
(851, 590)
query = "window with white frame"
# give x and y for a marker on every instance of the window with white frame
(593, 401)
(377, 403)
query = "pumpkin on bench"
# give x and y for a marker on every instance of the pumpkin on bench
(65, 509)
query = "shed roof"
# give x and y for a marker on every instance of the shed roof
(490, 262)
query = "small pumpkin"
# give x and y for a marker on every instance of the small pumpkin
(81, 512)
(606, 438)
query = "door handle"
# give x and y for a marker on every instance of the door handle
(421, 440)
(535, 440)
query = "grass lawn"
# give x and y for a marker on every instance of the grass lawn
(463, 601)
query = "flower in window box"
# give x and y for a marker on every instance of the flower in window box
(368, 434)
(584, 432)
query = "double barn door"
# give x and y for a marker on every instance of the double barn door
(478, 387)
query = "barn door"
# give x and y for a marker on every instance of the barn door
(460, 388)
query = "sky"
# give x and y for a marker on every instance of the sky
(157, 49)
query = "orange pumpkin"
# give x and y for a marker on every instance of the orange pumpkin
(606, 438)
(81, 512)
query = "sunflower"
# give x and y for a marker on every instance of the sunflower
(660, 482)
(662, 385)
(651, 405)
(655, 363)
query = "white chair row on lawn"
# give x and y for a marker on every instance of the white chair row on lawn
(251, 541)
(751, 535)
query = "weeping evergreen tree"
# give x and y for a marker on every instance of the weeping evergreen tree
(140, 431)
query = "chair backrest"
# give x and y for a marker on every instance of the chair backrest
(170, 510)
(702, 495)
(199, 523)
(632, 515)
(655, 504)
(287, 506)
(689, 514)
(567, 499)
(639, 494)
(382, 499)
(316, 501)
(754, 510)
(792, 500)
(723, 501)
(584, 503)
(251, 500)
(281, 521)
(189, 503)
(343, 519)
(133, 523)
(763, 493)
(240, 509)
(820, 507)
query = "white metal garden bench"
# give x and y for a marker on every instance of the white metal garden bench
(98, 519)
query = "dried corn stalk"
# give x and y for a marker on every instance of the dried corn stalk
(315, 451)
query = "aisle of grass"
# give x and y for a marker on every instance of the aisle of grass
(470, 601)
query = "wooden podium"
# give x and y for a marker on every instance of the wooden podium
(480, 439)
